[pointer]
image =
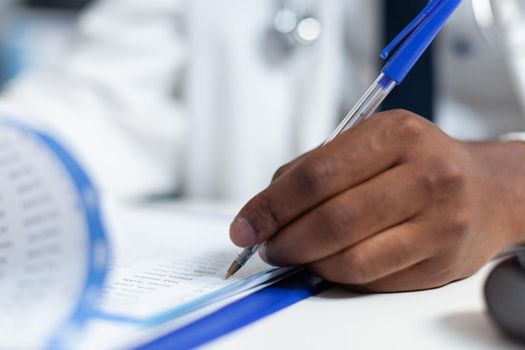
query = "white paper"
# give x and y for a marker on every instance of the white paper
(169, 263)
(105, 334)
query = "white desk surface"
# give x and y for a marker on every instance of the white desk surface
(452, 317)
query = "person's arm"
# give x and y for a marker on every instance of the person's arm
(392, 205)
(111, 99)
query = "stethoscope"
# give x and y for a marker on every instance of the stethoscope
(294, 26)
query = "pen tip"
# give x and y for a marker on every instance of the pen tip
(233, 270)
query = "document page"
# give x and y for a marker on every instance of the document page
(44, 241)
(166, 264)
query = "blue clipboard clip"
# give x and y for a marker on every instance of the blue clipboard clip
(241, 313)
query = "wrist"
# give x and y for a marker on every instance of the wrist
(500, 180)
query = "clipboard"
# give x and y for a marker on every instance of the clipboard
(241, 313)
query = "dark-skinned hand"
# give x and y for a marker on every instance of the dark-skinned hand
(393, 204)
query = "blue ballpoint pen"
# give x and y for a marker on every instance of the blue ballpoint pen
(404, 52)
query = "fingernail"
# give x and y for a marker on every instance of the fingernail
(242, 233)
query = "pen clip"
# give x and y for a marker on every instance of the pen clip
(406, 49)
(398, 40)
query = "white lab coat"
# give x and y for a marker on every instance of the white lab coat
(170, 95)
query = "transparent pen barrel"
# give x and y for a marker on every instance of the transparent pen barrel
(366, 106)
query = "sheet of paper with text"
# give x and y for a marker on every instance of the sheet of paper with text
(166, 264)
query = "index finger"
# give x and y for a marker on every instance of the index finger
(356, 156)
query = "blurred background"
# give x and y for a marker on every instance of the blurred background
(33, 33)
(219, 74)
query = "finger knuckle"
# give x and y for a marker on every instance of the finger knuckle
(357, 268)
(283, 169)
(402, 252)
(409, 125)
(313, 176)
(442, 176)
(459, 224)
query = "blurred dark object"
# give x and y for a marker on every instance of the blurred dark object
(416, 94)
(58, 4)
(505, 296)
